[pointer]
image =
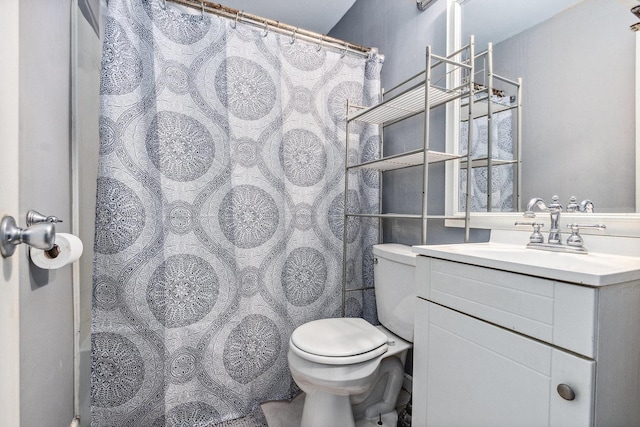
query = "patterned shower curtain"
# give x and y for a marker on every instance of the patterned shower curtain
(219, 210)
(502, 124)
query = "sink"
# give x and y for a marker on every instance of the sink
(593, 269)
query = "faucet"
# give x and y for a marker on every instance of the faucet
(554, 210)
(536, 201)
(584, 206)
(554, 229)
(554, 242)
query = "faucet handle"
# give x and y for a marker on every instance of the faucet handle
(573, 206)
(579, 226)
(575, 239)
(536, 236)
(554, 205)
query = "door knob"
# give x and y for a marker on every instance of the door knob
(41, 236)
(566, 392)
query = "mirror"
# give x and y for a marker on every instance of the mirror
(577, 61)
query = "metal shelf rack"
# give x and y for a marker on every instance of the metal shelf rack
(409, 99)
(487, 85)
(419, 94)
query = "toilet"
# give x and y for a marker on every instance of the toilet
(350, 370)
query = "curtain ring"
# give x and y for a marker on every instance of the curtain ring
(202, 10)
(293, 36)
(344, 52)
(320, 46)
(238, 13)
(266, 29)
(164, 4)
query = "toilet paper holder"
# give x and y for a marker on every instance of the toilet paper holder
(34, 217)
(40, 233)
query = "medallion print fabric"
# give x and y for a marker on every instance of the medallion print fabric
(502, 179)
(219, 216)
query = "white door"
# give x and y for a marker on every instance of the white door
(471, 373)
(9, 205)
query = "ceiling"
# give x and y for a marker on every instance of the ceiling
(319, 16)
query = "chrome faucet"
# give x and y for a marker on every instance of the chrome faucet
(554, 242)
(536, 201)
(572, 206)
(554, 229)
(585, 206)
(554, 210)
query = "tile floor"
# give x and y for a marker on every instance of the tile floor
(282, 413)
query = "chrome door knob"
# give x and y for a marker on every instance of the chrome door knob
(41, 236)
(566, 392)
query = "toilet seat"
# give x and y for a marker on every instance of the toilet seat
(338, 341)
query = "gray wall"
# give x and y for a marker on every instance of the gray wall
(46, 313)
(401, 32)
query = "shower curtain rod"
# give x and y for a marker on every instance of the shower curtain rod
(279, 27)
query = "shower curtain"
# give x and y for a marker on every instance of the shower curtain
(502, 149)
(219, 210)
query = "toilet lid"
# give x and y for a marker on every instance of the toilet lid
(339, 337)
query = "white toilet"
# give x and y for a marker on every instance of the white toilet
(351, 371)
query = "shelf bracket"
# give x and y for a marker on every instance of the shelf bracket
(424, 4)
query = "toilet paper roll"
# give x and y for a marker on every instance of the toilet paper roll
(67, 249)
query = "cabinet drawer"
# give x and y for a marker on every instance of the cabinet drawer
(555, 312)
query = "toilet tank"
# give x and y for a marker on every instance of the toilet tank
(393, 274)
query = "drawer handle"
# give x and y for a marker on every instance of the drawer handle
(566, 392)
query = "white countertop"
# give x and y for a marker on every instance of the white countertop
(592, 269)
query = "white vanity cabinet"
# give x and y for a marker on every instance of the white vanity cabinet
(502, 348)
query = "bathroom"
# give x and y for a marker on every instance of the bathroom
(51, 155)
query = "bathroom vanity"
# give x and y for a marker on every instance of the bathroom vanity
(509, 336)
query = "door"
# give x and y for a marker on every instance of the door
(9, 205)
(472, 373)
